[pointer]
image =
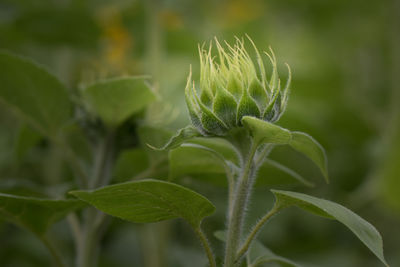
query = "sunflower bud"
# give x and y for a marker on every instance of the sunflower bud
(232, 87)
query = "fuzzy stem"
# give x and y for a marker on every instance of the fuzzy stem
(231, 189)
(256, 229)
(206, 246)
(235, 221)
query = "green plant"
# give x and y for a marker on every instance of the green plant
(233, 117)
(238, 104)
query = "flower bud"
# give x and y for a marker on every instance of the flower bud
(232, 87)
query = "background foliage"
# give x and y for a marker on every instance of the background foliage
(345, 92)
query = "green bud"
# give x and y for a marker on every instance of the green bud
(231, 86)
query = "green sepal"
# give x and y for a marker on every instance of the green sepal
(225, 107)
(247, 107)
(285, 92)
(234, 87)
(277, 109)
(193, 107)
(211, 123)
(258, 93)
(206, 98)
(270, 112)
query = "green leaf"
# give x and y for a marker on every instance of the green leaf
(181, 136)
(307, 145)
(328, 209)
(148, 201)
(115, 100)
(35, 214)
(266, 132)
(34, 94)
(258, 254)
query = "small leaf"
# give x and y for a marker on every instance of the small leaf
(157, 137)
(34, 94)
(259, 254)
(35, 214)
(148, 201)
(181, 136)
(265, 132)
(114, 100)
(328, 209)
(307, 145)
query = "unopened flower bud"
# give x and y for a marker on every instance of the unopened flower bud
(232, 87)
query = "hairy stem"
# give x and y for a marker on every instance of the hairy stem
(231, 189)
(256, 229)
(236, 219)
(206, 246)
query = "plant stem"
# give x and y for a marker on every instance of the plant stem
(75, 226)
(93, 219)
(56, 255)
(81, 176)
(206, 246)
(256, 229)
(103, 161)
(264, 153)
(231, 189)
(241, 196)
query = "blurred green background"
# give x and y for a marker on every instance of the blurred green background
(345, 58)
